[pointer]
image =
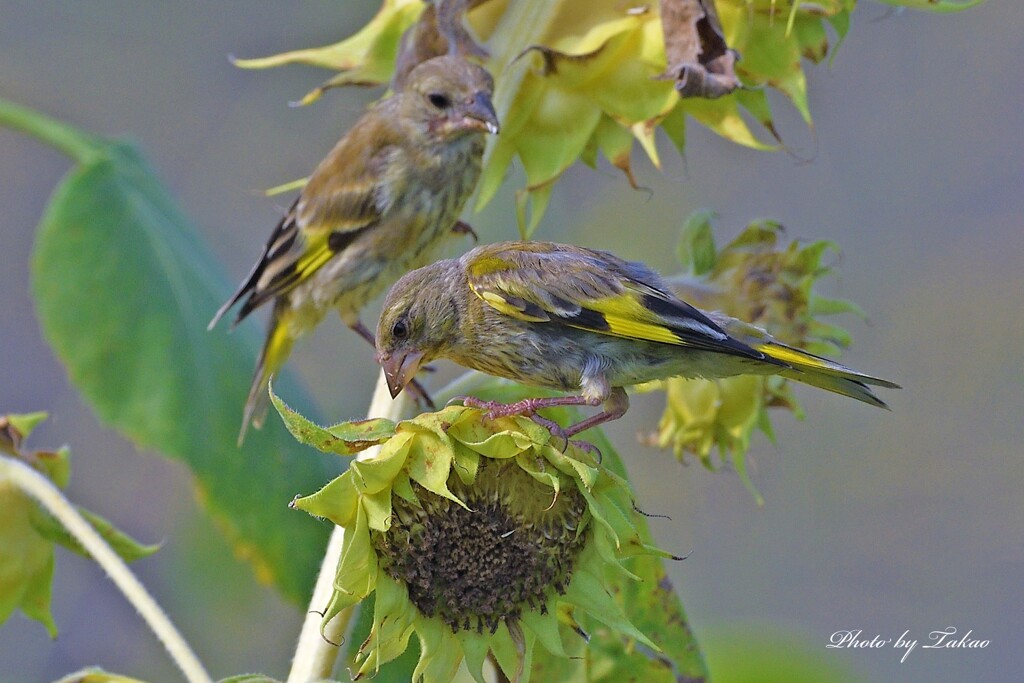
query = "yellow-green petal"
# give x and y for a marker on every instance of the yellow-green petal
(337, 501)
(357, 568)
(368, 57)
(441, 654)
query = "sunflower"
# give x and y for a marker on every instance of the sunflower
(480, 536)
(764, 279)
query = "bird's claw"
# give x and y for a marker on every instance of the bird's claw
(560, 432)
(493, 408)
(590, 449)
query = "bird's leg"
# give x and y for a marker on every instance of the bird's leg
(527, 406)
(359, 328)
(463, 228)
(414, 387)
(615, 407)
(421, 395)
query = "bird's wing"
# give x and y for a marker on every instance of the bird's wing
(344, 198)
(594, 291)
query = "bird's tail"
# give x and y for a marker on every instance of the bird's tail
(275, 352)
(825, 374)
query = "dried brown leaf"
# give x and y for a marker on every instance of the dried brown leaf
(699, 61)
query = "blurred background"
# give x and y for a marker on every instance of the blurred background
(885, 522)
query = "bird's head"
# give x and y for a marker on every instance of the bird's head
(417, 324)
(451, 97)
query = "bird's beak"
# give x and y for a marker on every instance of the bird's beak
(480, 115)
(400, 369)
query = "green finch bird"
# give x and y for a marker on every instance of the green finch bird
(579, 321)
(380, 204)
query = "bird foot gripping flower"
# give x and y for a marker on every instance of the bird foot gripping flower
(479, 536)
(528, 407)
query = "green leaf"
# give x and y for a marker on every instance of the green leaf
(346, 438)
(124, 545)
(26, 423)
(821, 305)
(123, 289)
(769, 651)
(724, 118)
(26, 556)
(697, 243)
(14, 429)
(652, 605)
(26, 560)
(366, 58)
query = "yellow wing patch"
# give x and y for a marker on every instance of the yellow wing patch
(627, 317)
(504, 306)
(313, 261)
(637, 329)
(487, 265)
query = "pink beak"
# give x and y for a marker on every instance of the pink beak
(400, 369)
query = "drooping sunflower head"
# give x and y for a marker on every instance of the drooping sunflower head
(763, 279)
(477, 535)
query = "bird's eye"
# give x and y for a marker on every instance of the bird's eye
(439, 100)
(400, 330)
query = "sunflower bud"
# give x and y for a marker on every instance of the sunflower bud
(481, 537)
(761, 279)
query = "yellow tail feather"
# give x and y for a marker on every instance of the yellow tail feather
(825, 374)
(275, 352)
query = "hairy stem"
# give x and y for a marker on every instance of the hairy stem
(315, 654)
(50, 497)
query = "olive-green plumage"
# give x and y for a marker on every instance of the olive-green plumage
(380, 204)
(581, 321)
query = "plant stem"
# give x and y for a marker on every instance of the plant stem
(314, 656)
(523, 24)
(50, 497)
(77, 144)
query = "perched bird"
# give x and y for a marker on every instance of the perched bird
(378, 205)
(579, 321)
